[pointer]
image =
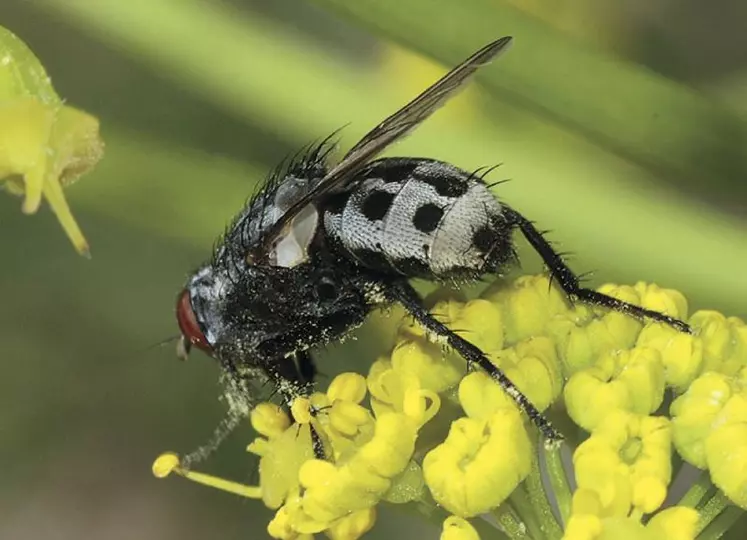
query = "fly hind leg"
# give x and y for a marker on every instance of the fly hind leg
(569, 281)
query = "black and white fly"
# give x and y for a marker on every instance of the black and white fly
(321, 245)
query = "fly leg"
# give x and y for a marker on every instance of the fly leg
(569, 281)
(403, 293)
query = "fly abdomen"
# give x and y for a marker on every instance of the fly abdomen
(419, 218)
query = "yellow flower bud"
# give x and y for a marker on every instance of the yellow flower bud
(648, 494)
(296, 519)
(434, 368)
(682, 354)
(347, 387)
(400, 391)
(669, 301)
(583, 527)
(714, 331)
(301, 410)
(444, 304)
(480, 322)
(586, 501)
(621, 528)
(627, 460)
(392, 446)
(479, 464)
(334, 491)
(361, 478)
(580, 346)
(269, 419)
(352, 526)
(165, 464)
(385, 387)
(598, 468)
(280, 527)
(531, 365)
(456, 528)
(591, 520)
(724, 341)
(694, 412)
(628, 380)
(623, 323)
(348, 419)
(287, 518)
(592, 393)
(642, 370)
(527, 304)
(481, 397)
(726, 449)
(738, 359)
(674, 523)
(534, 368)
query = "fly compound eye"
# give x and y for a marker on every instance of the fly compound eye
(185, 316)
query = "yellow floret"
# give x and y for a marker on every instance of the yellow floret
(626, 461)
(456, 528)
(479, 464)
(628, 380)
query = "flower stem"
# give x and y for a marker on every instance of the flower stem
(522, 505)
(721, 524)
(558, 480)
(711, 510)
(697, 491)
(510, 523)
(538, 499)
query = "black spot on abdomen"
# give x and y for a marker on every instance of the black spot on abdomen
(376, 205)
(337, 202)
(446, 186)
(394, 169)
(427, 217)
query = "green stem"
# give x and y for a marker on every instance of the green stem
(487, 529)
(711, 510)
(558, 480)
(697, 491)
(522, 504)
(721, 524)
(510, 523)
(540, 503)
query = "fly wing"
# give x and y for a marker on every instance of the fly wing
(387, 132)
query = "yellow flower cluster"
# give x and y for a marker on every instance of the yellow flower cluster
(44, 144)
(422, 427)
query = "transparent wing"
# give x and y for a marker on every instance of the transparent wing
(390, 130)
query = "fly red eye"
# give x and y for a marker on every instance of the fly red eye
(185, 316)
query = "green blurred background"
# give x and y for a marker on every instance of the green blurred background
(622, 123)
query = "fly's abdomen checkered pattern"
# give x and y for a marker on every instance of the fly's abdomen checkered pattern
(420, 218)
